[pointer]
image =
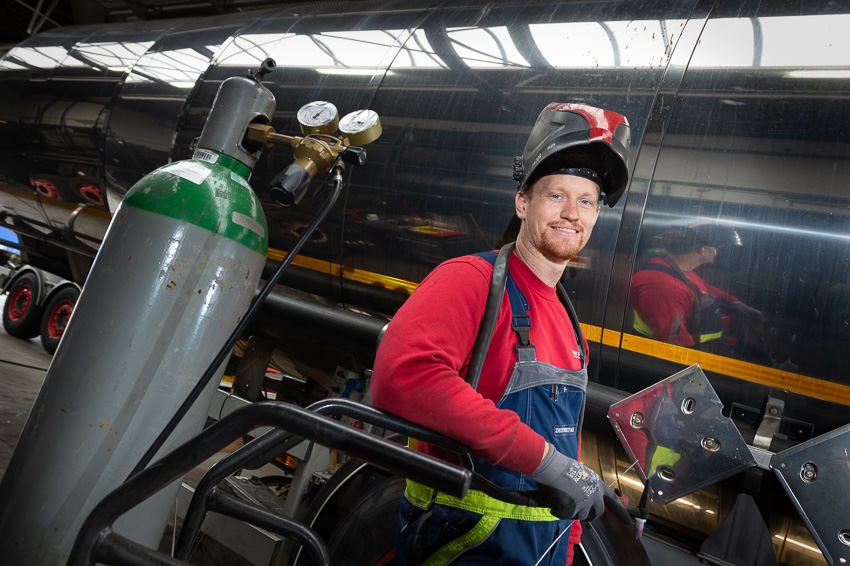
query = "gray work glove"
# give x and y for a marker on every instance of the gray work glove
(574, 491)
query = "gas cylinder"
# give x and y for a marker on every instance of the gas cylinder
(177, 269)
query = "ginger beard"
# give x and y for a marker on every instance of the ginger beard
(553, 223)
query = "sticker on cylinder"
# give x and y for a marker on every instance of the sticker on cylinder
(207, 156)
(192, 172)
(249, 223)
(239, 179)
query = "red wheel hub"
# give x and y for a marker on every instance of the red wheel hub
(92, 194)
(45, 188)
(19, 303)
(58, 319)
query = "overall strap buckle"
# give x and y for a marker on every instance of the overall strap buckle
(521, 324)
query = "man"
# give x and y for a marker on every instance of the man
(521, 419)
(671, 301)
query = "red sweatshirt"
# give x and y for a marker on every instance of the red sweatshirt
(426, 350)
(666, 304)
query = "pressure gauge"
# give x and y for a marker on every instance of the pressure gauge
(361, 127)
(318, 117)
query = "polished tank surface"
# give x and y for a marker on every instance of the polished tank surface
(740, 121)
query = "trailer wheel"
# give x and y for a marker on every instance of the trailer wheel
(57, 312)
(21, 315)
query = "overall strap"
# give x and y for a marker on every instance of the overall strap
(520, 319)
(571, 312)
(491, 311)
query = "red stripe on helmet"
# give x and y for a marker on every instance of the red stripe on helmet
(602, 122)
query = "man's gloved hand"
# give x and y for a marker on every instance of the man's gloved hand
(748, 311)
(574, 491)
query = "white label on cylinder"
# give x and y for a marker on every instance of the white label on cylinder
(249, 223)
(192, 172)
(204, 155)
(239, 179)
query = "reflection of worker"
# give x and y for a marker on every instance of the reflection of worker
(671, 301)
(522, 423)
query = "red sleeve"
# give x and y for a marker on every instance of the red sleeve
(420, 358)
(723, 296)
(663, 305)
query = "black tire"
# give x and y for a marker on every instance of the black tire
(607, 542)
(366, 536)
(355, 513)
(57, 311)
(21, 315)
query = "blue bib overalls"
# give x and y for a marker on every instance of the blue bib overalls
(437, 529)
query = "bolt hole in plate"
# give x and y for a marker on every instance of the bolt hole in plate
(684, 443)
(710, 444)
(666, 473)
(815, 474)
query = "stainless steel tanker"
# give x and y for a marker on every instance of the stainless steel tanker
(740, 119)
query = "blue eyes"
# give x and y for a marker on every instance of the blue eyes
(584, 203)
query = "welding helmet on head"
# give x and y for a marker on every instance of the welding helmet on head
(687, 238)
(577, 139)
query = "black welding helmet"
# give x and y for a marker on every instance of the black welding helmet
(578, 137)
(687, 238)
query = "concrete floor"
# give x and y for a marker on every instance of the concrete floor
(23, 364)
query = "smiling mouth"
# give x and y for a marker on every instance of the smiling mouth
(565, 230)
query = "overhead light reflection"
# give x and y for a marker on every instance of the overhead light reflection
(44, 57)
(610, 44)
(819, 74)
(486, 48)
(178, 67)
(349, 52)
(355, 72)
(418, 54)
(729, 42)
(117, 56)
(798, 543)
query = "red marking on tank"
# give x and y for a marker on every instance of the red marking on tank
(19, 302)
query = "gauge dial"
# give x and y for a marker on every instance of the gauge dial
(318, 117)
(361, 126)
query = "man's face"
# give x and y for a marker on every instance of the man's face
(558, 214)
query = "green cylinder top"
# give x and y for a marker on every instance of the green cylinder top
(210, 191)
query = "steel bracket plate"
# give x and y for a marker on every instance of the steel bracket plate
(676, 433)
(816, 476)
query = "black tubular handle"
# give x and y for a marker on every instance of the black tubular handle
(228, 505)
(383, 419)
(278, 441)
(380, 452)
